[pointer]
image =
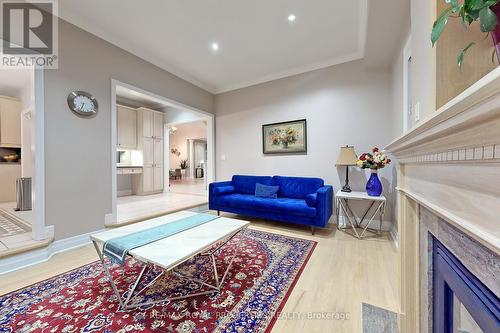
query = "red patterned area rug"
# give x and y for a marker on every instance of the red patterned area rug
(257, 286)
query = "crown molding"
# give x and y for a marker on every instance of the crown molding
(290, 72)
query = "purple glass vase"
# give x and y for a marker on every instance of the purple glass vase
(495, 34)
(374, 186)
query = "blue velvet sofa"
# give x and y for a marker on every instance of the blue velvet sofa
(305, 201)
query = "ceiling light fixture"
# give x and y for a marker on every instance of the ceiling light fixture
(215, 47)
(291, 18)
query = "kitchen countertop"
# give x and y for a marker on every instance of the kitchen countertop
(128, 166)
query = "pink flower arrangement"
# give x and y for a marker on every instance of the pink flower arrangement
(375, 160)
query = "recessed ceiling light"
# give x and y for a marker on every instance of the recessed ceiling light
(214, 46)
(291, 18)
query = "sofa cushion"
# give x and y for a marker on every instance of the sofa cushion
(222, 190)
(246, 184)
(311, 199)
(285, 206)
(266, 191)
(296, 187)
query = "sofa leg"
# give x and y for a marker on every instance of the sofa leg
(218, 213)
(313, 229)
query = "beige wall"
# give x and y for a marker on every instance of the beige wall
(343, 104)
(78, 152)
(423, 56)
(452, 80)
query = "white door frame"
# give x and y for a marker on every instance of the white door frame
(39, 231)
(111, 218)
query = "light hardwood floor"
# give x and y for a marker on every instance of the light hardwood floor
(136, 208)
(342, 273)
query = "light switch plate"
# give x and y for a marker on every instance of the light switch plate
(223, 157)
(417, 111)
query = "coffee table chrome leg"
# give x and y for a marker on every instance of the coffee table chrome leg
(227, 270)
(132, 290)
(109, 276)
(214, 265)
(124, 305)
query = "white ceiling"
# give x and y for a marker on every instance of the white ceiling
(193, 127)
(257, 43)
(385, 36)
(13, 82)
(132, 98)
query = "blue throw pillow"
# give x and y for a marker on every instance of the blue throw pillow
(266, 191)
(311, 200)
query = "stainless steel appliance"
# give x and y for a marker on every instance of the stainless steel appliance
(23, 194)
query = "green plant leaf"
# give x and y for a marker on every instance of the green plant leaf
(468, 19)
(438, 27)
(474, 14)
(473, 5)
(491, 3)
(488, 19)
(460, 59)
(454, 5)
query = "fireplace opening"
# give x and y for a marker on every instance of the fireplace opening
(461, 303)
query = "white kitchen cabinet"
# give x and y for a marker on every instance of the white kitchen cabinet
(150, 123)
(148, 175)
(158, 152)
(158, 179)
(148, 149)
(157, 125)
(126, 127)
(10, 122)
(150, 142)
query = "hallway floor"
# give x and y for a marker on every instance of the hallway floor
(15, 230)
(189, 186)
(135, 208)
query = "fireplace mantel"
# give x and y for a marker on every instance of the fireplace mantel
(450, 165)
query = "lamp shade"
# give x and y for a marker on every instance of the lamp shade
(347, 156)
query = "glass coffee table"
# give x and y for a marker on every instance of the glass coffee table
(170, 252)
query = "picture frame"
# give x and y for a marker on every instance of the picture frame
(288, 137)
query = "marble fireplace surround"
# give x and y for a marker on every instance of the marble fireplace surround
(449, 187)
(479, 260)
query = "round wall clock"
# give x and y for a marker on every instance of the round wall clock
(83, 104)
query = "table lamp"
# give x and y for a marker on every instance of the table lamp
(347, 158)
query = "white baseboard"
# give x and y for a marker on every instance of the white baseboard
(30, 258)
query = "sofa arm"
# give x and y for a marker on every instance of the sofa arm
(222, 190)
(324, 204)
(212, 192)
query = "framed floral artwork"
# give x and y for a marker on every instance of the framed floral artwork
(289, 137)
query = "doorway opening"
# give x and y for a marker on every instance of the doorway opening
(22, 190)
(187, 158)
(144, 168)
